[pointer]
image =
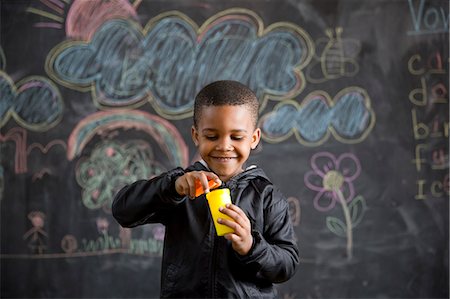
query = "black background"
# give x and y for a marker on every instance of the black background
(400, 248)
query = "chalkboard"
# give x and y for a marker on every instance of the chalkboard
(354, 119)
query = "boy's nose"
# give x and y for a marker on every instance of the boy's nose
(224, 145)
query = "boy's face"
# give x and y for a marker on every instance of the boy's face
(224, 137)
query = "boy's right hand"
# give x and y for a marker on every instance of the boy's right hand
(185, 184)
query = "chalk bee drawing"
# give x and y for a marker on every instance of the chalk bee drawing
(337, 58)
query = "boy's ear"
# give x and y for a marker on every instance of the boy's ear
(255, 138)
(194, 134)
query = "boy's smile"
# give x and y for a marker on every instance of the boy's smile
(225, 136)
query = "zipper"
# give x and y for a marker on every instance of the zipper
(214, 257)
(215, 245)
(213, 266)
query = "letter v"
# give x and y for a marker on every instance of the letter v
(417, 19)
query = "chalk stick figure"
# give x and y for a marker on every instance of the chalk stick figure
(36, 236)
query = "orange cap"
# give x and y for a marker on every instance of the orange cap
(199, 188)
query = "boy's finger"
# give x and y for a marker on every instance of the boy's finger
(215, 177)
(232, 237)
(201, 185)
(191, 187)
(204, 182)
(233, 214)
(232, 224)
(237, 210)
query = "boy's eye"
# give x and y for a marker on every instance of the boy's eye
(237, 137)
(213, 137)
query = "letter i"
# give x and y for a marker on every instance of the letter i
(420, 195)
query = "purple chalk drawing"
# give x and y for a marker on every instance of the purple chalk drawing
(333, 178)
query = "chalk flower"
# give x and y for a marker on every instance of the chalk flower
(330, 176)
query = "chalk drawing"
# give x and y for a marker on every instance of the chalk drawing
(333, 178)
(427, 17)
(46, 148)
(107, 243)
(19, 137)
(110, 167)
(52, 14)
(335, 58)
(85, 17)
(159, 232)
(36, 236)
(349, 118)
(34, 103)
(111, 164)
(162, 131)
(168, 61)
(434, 63)
(45, 166)
(150, 245)
(69, 244)
(40, 174)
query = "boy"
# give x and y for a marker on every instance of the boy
(196, 262)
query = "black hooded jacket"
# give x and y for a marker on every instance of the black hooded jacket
(196, 262)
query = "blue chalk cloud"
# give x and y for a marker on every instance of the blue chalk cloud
(170, 60)
(349, 118)
(35, 102)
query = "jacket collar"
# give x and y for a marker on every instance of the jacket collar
(240, 179)
(207, 167)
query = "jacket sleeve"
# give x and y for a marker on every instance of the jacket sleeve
(146, 201)
(274, 255)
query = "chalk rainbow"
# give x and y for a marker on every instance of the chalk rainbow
(162, 131)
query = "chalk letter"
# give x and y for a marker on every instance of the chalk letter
(411, 61)
(422, 92)
(439, 93)
(438, 158)
(418, 160)
(421, 130)
(416, 18)
(434, 186)
(435, 64)
(432, 18)
(420, 194)
(435, 131)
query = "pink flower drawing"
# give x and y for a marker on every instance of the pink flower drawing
(329, 175)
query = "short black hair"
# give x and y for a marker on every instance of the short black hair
(226, 92)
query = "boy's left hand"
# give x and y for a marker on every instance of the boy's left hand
(241, 239)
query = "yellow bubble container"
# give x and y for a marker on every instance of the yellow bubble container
(219, 198)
